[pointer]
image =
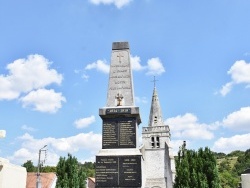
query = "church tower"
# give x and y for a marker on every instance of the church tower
(156, 140)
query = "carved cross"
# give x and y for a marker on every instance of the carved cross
(120, 56)
(119, 98)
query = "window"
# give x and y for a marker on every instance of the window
(152, 142)
(155, 141)
(155, 119)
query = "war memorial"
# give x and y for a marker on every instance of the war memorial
(122, 162)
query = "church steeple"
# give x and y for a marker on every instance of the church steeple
(155, 117)
(157, 150)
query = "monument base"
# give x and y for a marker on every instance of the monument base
(118, 168)
(156, 183)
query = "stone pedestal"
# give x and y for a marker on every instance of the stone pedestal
(118, 163)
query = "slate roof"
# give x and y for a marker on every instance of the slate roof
(155, 117)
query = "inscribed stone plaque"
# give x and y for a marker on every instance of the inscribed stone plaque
(106, 171)
(118, 171)
(130, 171)
(118, 111)
(119, 133)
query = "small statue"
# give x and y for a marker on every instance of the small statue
(119, 98)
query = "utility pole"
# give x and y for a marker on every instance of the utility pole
(38, 179)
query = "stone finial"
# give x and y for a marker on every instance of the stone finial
(120, 45)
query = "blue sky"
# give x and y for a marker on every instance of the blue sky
(54, 64)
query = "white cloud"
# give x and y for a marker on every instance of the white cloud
(7, 89)
(236, 142)
(239, 120)
(240, 74)
(155, 67)
(188, 127)
(26, 75)
(99, 65)
(226, 88)
(80, 141)
(55, 147)
(2, 133)
(43, 100)
(27, 128)
(175, 144)
(22, 155)
(102, 66)
(84, 122)
(84, 76)
(26, 136)
(135, 63)
(141, 100)
(31, 76)
(117, 3)
(90, 159)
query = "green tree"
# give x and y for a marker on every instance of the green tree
(196, 169)
(47, 169)
(224, 166)
(89, 168)
(219, 155)
(236, 153)
(231, 166)
(29, 166)
(228, 179)
(70, 173)
(243, 162)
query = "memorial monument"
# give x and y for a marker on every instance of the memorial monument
(119, 162)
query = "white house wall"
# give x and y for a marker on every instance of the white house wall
(12, 176)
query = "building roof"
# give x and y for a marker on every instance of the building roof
(91, 179)
(91, 182)
(47, 179)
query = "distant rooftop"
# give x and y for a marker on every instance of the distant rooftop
(47, 179)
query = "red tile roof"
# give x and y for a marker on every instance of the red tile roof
(91, 182)
(46, 179)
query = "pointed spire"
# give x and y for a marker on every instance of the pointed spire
(155, 117)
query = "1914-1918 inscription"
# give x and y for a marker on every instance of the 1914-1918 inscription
(119, 133)
(118, 111)
(118, 171)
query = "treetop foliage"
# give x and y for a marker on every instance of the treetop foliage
(70, 174)
(29, 166)
(196, 169)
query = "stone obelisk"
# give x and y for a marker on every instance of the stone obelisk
(118, 163)
(120, 90)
